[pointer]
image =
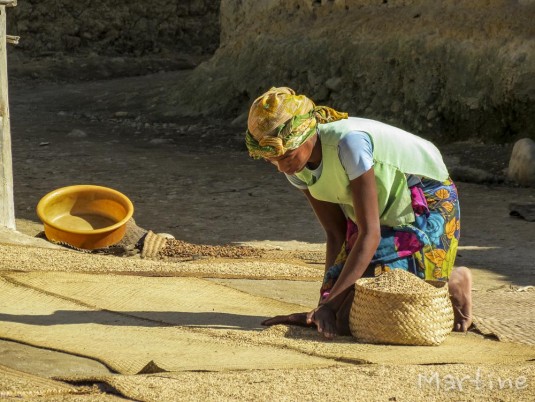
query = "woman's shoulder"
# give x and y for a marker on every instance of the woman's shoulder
(355, 151)
(356, 142)
(355, 137)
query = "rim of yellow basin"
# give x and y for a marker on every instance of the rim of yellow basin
(64, 191)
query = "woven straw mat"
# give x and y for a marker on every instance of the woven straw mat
(17, 384)
(141, 324)
(152, 324)
(152, 245)
(506, 314)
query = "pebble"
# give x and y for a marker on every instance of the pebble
(160, 141)
(76, 133)
(166, 235)
(334, 84)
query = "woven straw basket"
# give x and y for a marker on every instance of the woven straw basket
(399, 308)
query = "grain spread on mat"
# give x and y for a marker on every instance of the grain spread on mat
(181, 249)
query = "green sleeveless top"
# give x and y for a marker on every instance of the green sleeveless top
(395, 154)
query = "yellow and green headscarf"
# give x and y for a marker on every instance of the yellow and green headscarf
(279, 120)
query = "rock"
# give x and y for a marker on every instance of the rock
(395, 107)
(321, 94)
(471, 175)
(314, 80)
(160, 141)
(473, 103)
(522, 163)
(523, 210)
(76, 133)
(334, 84)
(431, 115)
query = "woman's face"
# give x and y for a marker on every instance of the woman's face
(294, 160)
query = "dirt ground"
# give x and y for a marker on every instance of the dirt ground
(194, 180)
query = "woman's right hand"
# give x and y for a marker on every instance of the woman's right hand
(325, 320)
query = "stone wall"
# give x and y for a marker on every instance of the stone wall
(447, 69)
(112, 28)
(111, 38)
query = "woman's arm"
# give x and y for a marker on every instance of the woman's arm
(369, 234)
(365, 203)
(333, 221)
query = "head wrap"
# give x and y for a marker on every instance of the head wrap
(279, 120)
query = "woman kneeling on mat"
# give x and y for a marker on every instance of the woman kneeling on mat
(383, 196)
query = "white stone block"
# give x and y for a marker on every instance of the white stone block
(522, 163)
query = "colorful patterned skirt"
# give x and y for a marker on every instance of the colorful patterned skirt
(427, 247)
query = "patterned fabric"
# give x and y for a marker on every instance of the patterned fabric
(427, 247)
(280, 120)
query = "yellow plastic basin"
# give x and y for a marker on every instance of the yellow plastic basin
(85, 216)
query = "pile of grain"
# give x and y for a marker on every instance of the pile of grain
(398, 281)
(180, 249)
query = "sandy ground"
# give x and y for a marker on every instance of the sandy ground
(193, 179)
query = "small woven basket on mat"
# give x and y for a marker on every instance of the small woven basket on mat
(399, 308)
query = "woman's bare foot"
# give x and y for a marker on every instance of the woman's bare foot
(460, 287)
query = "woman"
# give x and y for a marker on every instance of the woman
(383, 196)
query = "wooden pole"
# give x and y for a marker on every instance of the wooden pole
(7, 205)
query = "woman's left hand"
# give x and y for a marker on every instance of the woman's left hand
(299, 319)
(325, 320)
